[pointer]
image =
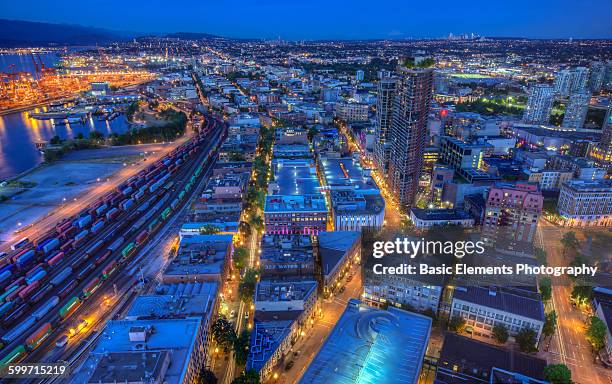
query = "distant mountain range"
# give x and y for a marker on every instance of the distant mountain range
(19, 33)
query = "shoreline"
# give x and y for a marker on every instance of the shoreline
(32, 106)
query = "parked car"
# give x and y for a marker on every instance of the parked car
(62, 341)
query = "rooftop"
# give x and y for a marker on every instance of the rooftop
(283, 291)
(440, 214)
(296, 177)
(504, 300)
(178, 336)
(131, 367)
(369, 345)
(341, 173)
(356, 202)
(587, 185)
(478, 358)
(333, 246)
(303, 203)
(265, 339)
(285, 249)
(200, 254)
(176, 300)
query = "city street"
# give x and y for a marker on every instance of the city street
(569, 345)
(308, 346)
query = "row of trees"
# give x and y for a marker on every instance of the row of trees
(223, 331)
(227, 338)
(60, 147)
(174, 125)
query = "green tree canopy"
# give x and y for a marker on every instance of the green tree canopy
(545, 288)
(207, 376)
(240, 257)
(558, 374)
(596, 332)
(223, 333)
(569, 241)
(249, 377)
(456, 324)
(209, 229)
(500, 333)
(246, 288)
(241, 347)
(581, 294)
(550, 324)
(526, 339)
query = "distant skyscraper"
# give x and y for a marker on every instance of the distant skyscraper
(580, 80)
(606, 136)
(409, 132)
(608, 81)
(359, 75)
(563, 82)
(597, 76)
(602, 152)
(539, 104)
(384, 116)
(576, 110)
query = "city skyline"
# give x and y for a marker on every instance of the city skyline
(183, 208)
(360, 20)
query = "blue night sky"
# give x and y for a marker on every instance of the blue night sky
(329, 19)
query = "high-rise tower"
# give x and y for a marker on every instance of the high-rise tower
(384, 116)
(576, 110)
(539, 104)
(409, 128)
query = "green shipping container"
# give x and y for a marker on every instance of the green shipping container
(70, 306)
(5, 294)
(127, 251)
(15, 356)
(166, 213)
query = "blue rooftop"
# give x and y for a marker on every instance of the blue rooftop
(179, 336)
(296, 177)
(346, 172)
(372, 346)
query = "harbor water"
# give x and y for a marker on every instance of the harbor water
(19, 134)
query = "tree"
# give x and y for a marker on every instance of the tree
(256, 222)
(312, 132)
(241, 347)
(79, 136)
(545, 288)
(596, 333)
(550, 324)
(456, 324)
(55, 140)
(558, 374)
(209, 229)
(500, 333)
(246, 288)
(206, 376)
(223, 333)
(131, 110)
(95, 135)
(526, 338)
(540, 255)
(569, 241)
(249, 377)
(581, 294)
(240, 257)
